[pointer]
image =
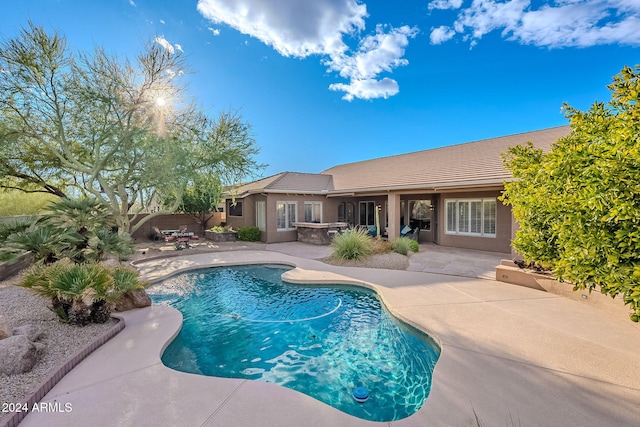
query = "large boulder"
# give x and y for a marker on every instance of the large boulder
(18, 354)
(133, 299)
(5, 328)
(29, 330)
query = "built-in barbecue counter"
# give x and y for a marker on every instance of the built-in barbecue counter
(318, 233)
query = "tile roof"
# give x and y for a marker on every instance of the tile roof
(289, 182)
(470, 164)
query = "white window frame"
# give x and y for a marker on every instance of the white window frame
(261, 215)
(288, 221)
(459, 220)
(313, 204)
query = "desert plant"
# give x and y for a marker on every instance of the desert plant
(380, 246)
(126, 279)
(45, 242)
(249, 234)
(104, 242)
(353, 244)
(15, 226)
(402, 246)
(81, 293)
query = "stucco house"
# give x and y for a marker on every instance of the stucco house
(449, 194)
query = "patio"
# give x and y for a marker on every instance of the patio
(510, 355)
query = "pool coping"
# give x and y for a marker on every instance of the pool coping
(447, 394)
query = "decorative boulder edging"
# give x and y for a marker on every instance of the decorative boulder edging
(5, 328)
(59, 373)
(221, 236)
(133, 299)
(19, 354)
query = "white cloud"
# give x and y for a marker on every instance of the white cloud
(441, 34)
(167, 45)
(162, 21)
(375, 54)
(445, 4)
(296, 28)
(300, 28)
(132, 3)
(215, 31)
(560, 23)
(367, 88)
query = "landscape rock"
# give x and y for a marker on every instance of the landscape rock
(133, 299)
(19, 355)
(29, 330)
(5, 329)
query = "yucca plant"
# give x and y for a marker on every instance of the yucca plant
(353, 244)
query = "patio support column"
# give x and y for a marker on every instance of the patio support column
(393, 203)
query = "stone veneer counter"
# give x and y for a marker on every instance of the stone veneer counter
(318, 233)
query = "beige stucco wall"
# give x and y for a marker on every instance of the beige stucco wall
(500, 243)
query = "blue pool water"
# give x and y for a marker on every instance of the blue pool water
(324, 341)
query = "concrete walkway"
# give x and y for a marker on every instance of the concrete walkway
(511, 356)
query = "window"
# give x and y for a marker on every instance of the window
(313, 211)
(261, 216)
(235, 209)
(420, 214)
(472, 217)
(367, 213)
(286, 215)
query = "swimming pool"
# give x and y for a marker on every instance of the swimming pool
(324, 341)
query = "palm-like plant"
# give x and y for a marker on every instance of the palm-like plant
(82, 215)
(105, 242)
(47, 243)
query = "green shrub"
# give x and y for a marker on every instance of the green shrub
(221, 229)
(249, 234)
(81, 293)
(401, 245)
(352, 245)
(414, 245)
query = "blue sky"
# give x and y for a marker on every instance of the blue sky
(327, 82)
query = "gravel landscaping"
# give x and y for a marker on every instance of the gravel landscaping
(62, 341)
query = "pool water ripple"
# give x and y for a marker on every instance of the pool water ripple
(324, 341)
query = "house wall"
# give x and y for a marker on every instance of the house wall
(272, 235)
(248, 218)
(329, 214)
(504, 221)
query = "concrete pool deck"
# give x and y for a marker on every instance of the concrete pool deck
(511, 356)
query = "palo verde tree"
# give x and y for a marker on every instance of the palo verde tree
(578, 206)
(96, 125)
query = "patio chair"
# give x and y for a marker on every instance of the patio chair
(156, 234)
